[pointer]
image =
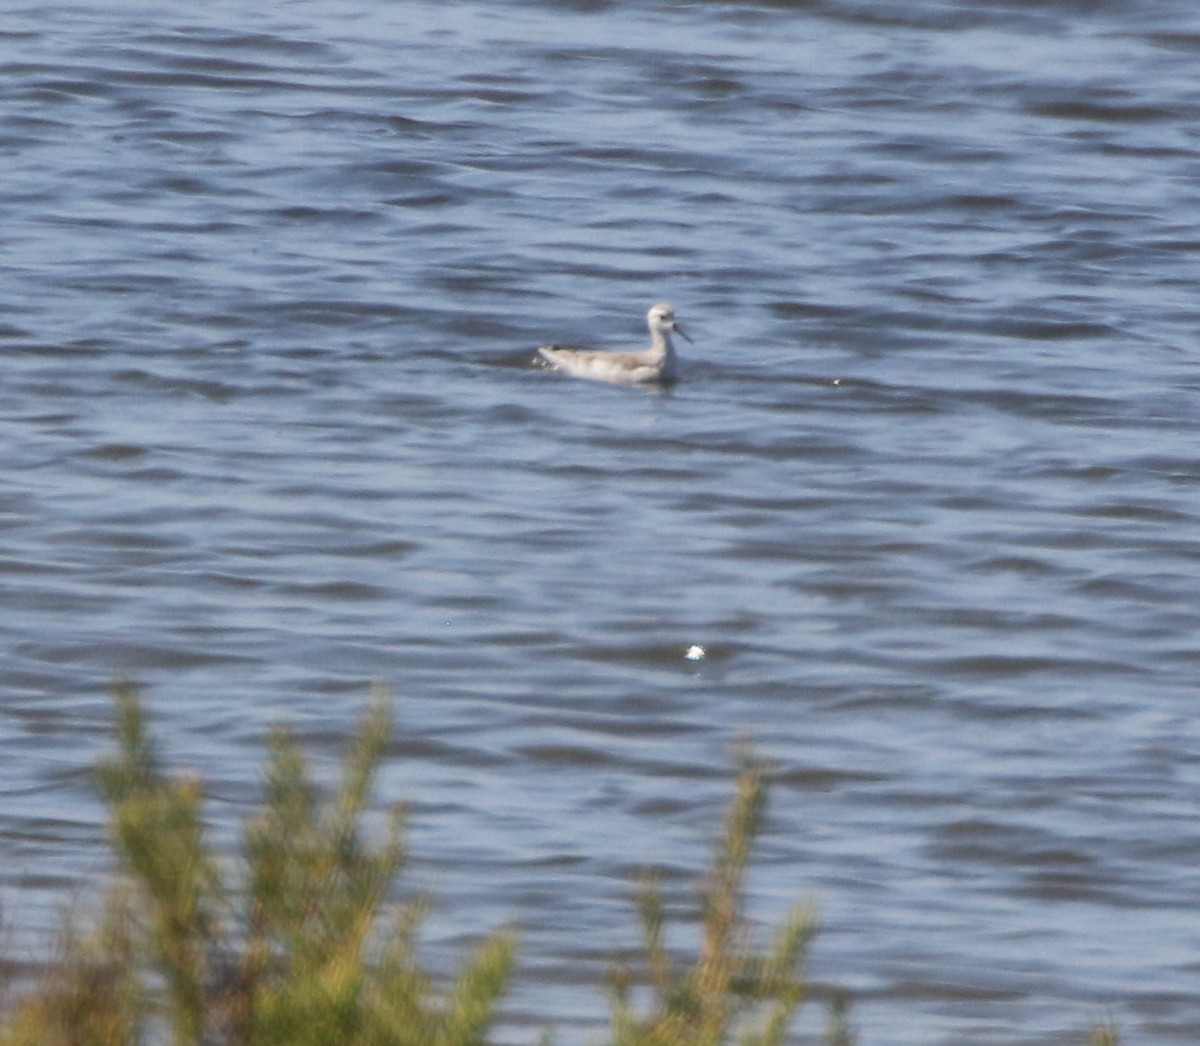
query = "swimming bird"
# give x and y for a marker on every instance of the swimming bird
(655, 364)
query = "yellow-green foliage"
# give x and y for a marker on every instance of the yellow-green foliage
(294, 953)
(89, 994)
(298, 948)
(730, 992)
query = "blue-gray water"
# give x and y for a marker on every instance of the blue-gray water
(271, 278)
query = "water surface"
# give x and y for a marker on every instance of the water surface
(270, 285)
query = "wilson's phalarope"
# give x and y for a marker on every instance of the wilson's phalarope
(655, 364)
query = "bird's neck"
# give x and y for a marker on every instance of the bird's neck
(660, 345)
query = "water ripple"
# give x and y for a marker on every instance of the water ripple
(926, 496)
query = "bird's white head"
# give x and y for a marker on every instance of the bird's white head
(661, 318)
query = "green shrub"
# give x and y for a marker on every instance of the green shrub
(299, 949)
(729, 992)
(294, 953)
